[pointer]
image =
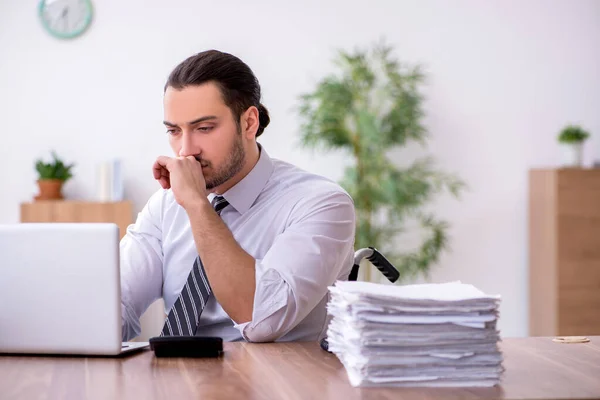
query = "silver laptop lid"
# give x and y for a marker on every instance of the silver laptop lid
(60, 288)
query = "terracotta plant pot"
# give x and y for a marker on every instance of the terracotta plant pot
(50, 189)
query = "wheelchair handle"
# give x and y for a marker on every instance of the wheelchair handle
(378, 260)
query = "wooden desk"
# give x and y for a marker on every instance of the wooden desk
(535, 368)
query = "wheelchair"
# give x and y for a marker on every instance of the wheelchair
(379, 261)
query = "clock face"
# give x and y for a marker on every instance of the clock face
(65, 18)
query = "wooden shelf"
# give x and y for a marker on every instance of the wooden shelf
(78, 211)
(564, 252)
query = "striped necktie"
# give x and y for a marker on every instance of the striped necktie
(185, 314)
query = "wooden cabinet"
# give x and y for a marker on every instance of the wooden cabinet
(78, 211)
(564, 252)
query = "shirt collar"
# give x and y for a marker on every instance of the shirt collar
(243, 195)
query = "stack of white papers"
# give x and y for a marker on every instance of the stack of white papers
(415, 335)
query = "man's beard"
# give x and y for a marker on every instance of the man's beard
(233, 164)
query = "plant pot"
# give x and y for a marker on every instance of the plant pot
(50, 189)
(572, 155)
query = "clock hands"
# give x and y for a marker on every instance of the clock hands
(64, 16)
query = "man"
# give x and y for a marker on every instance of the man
(239, 245)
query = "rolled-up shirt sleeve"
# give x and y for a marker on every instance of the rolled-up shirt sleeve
(304, 260)
(141, 266)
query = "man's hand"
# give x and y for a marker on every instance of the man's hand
(183, 175)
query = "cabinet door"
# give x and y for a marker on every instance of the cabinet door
(119, 213)
(578, 245)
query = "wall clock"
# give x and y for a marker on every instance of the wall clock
(65, 19)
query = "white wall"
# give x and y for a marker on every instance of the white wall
(504, 77)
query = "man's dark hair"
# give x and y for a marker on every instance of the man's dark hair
(239, 87)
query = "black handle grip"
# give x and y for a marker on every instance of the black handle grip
(354, 273)
(383, 265)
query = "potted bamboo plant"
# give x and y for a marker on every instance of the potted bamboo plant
(51, 177)
(572, 138)
(370, 105)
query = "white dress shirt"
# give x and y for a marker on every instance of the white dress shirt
(299, 227)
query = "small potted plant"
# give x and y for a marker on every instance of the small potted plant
(572, 138)
(52, 176)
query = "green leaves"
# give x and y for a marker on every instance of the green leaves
(369, 106)
(54, 170)
(372, 99)
(417, 262)
(573, 134)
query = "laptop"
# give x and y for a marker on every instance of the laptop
(60, 290)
